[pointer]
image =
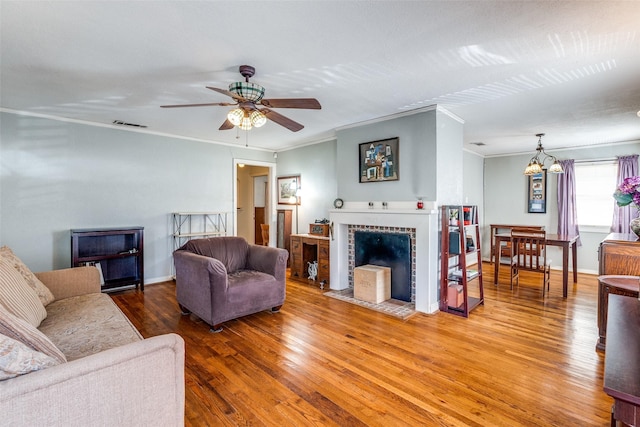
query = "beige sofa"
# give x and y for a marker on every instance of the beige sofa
(111, 376)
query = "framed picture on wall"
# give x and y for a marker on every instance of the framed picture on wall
(378, 160)
(537, 196)
(288, 187)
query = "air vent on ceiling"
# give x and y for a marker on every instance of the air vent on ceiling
(121, 123)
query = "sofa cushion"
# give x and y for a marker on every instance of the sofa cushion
(41, 290)
(86, 324)
(18, 359)
(231, 251)
(17, 297)
(24, 332)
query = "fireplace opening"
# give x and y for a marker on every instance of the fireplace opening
(391, 250)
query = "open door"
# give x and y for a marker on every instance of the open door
(254, 185)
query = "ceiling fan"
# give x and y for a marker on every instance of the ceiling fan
(248, 97)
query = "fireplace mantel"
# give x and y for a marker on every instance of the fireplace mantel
(424, 221)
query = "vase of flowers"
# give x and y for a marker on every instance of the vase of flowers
(629, 192)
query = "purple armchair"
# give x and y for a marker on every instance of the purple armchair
(223, 278)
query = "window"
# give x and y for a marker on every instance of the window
(595, 184)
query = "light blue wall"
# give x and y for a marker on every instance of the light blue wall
(56, 176)
(416, 134)
(505, 198)
(430, 161)
(316, 165)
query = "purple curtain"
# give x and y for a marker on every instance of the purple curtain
(567, 212)
(627, 167)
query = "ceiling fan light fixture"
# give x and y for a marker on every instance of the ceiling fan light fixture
(235, 116)
(249, 91)
(258, 118)
(245, 124)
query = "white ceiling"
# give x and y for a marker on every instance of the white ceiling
(509, 69)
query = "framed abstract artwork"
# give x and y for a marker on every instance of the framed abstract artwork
(378, 160)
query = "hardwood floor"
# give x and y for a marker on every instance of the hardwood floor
(519, 360)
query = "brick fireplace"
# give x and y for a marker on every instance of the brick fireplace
(422, 225)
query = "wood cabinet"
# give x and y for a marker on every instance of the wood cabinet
(619, 254)
(619, 268)
(117, 252)
(460, 248)
(305, 249)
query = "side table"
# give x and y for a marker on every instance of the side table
(612, 284)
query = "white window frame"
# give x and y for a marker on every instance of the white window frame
(602, 176)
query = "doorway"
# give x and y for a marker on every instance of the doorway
(254, 199)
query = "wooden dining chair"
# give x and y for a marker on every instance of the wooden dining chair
(529, 245)
(264, 228)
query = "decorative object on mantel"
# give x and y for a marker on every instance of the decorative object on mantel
(379, 160)
(338, 203)
(627, 193)
(420, 204)
(535, 164)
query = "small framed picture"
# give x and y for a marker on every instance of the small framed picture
(288, 187)
(379, 160)
(537, 196)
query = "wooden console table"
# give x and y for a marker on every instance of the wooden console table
(306, 248)
(622, 359)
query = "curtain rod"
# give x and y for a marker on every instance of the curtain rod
(603, 159)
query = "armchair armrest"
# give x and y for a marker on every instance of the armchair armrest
(70, 282)
(268, 259)
(141, 383)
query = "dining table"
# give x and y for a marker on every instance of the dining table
(564, 241)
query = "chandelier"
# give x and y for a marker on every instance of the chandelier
(535, 164)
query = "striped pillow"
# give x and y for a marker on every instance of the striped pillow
(17, 297)
(45, 295)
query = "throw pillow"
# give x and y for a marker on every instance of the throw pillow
(45, 295)
(18, 359)
(17, 297)
(22, 331)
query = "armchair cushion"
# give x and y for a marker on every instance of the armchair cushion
(231, 252)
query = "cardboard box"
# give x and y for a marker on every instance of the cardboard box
(455, 295)
(372, 283)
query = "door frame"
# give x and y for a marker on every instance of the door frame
(270, 214)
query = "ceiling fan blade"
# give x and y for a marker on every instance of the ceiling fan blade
(226, 125)
(220, 104)
(307, 103)
(228, 93)
(282, 120)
